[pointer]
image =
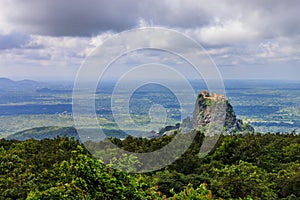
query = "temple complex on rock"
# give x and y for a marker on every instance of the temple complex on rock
(213, 96)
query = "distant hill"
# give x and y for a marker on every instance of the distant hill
(9, 85)
(45, 132)
(51, 132)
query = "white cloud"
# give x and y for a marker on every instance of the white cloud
(59, 34)
(226, 33)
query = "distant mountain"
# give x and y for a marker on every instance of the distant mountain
(45, 132)
(9, 85)
(6, 83)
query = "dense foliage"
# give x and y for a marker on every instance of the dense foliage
(257, 166)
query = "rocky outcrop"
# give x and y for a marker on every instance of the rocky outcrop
(214, 113)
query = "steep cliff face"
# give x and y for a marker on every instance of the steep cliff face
(214, 109)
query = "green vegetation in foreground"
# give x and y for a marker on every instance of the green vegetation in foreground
(241, 166)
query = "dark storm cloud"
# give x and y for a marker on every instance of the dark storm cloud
(76, 17)
(85, 18)
(269, 18)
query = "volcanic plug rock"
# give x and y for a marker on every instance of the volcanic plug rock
(214, 113)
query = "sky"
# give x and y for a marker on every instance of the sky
(49, 40)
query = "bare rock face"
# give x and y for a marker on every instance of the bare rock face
(213, 113)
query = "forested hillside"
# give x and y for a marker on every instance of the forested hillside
(260, 166)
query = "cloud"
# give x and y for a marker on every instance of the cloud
(86, 18)
(61, 33)
(214, 24)
(47, 57)
(226, 33)
(272, 18)
(13, 40)
(69, 18)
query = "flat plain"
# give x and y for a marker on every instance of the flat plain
(269, 106)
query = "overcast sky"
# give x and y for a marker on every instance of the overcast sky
(44, 40)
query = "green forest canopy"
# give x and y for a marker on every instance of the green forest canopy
(257, 166)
